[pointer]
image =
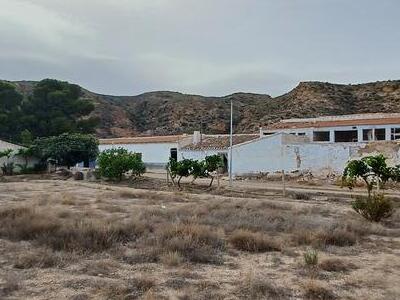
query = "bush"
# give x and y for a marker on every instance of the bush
(374, 208)
(113, 163)
(253, 242)
(193, 242)
(336, 265)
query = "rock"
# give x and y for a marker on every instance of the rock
(78, 176)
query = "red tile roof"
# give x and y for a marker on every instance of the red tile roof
(144, 140)
(220, 142)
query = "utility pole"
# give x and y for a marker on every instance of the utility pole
(230, 148)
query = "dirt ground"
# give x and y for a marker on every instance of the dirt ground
(65, 239)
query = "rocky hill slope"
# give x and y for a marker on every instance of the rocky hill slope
(163, 113)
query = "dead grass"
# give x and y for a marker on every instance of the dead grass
(133, 288)
(9, 284)
(256, 287)
(317, 290)
(41, 258)
(172, 258)
(87, 234)
(133, 245)
(253, 242)
(195, 243)
(336, 265)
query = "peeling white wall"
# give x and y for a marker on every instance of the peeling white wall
(282, 152)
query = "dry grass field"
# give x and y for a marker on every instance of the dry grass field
(79, 240)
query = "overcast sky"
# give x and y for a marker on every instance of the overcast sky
(209, 47)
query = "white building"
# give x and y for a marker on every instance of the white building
(342, 129)
(156, 150)
(321, 146)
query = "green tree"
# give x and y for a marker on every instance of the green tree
(10, 111)
(196, 168)
(67, 149)
(374, 171)
(114, 163)
(8, 167)
(57, 107)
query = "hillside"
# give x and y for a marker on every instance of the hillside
(163, 113)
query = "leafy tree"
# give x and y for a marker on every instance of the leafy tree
(374, 171)
(25, 153)
(8, 167)
(57, 107)
(114, 163)
(67, 149)
(196, 168)
(10, 112)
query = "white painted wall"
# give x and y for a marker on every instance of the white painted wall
(261, 155)
(281, 152)
(152, 153)
(198, 154)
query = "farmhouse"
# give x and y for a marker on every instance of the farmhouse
(321, 145)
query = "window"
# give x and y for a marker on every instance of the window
(380, 134)
(174, 153)
(321, 136)
(367, 135)
(346, 136)
(301, 134)
(395, 134)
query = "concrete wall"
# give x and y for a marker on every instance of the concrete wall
(153, 154)
(283, 152)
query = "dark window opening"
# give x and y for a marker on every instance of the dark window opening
(380, 134)
(321, 136)
(225, 162)
(346, 136)
(269, 133)
(174, 153)
(367, 135)
(301, 133)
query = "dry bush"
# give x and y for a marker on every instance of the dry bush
(253, 242)
(196, 243)
(40, 258)
(68, 199)
(255, 287)
(9, 283)
(340, 237)
(99, 267)
(316, 290)
(86, 234)
(172, 258)
(332, 236)
(336, 265)
(130, 289)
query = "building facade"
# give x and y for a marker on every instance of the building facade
(342, 129)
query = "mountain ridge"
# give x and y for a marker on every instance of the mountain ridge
(170, 112)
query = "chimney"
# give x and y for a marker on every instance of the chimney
(196, 137)
(261, 132)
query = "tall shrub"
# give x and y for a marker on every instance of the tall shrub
(114, 163)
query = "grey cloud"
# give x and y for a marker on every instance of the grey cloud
(211, 47)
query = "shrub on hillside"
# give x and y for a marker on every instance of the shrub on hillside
(113, 163)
